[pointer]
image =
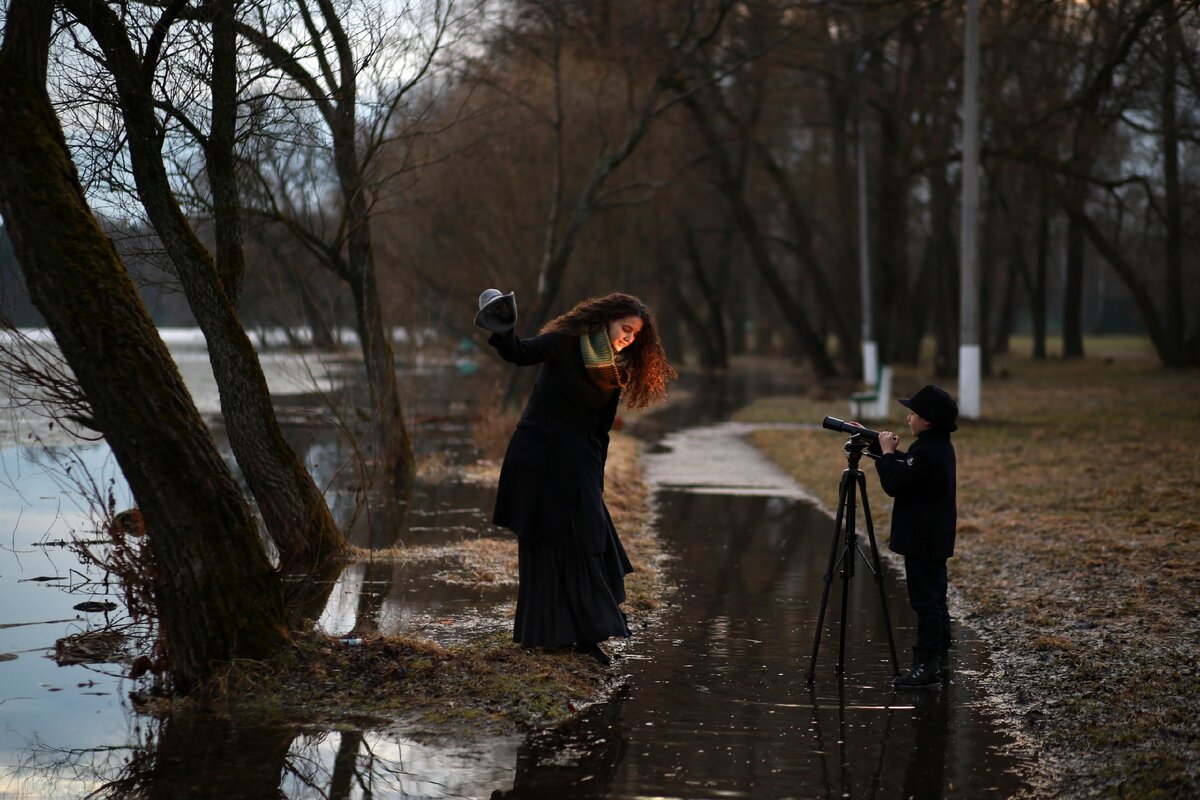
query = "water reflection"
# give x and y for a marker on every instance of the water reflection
(201, 756)
(718, 703)
(578, 760)
(925, 775)
(715, 702)
(68, 731)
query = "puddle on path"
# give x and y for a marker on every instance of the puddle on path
(715, 704)
(718, 704)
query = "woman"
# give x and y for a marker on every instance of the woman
(572, 566)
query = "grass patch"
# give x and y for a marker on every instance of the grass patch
(488, 685)
(1077, 541)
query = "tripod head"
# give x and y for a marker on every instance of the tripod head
(856, 448)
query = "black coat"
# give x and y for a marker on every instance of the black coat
(923, 481)
(555, 459)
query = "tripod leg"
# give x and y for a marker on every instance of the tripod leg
(843, 488)
(887, 621)
(850, 546)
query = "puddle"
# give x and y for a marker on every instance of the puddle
(714, 702)
(718, 703)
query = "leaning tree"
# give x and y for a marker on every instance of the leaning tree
(218, 597)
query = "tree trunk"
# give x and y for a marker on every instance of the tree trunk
(293, 509)
(396, 452)
(1109, 250)
(717, 340)
(1173, 200)
(1002, 332)
(730, 186)
(827, 299)
(1037, 286)
(217, 596)
(943, 270)
(739, 315)
(899, 339)
(219, 151)
(1072, 310)
(845, 182)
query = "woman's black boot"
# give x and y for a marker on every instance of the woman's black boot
(594, 650)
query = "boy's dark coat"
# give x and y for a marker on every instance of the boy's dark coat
(923, 482)
(556, 457)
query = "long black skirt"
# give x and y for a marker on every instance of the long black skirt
(570, 589)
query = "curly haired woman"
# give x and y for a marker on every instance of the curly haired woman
(551, 492)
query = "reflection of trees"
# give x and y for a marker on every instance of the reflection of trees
(378, 577)
(345, 765)
(187, 756)
(306, 592)
(46, 771)
(203, 756)
(594, 745)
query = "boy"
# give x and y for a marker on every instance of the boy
(924, 515)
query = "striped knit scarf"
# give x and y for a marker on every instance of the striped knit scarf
(599, 360)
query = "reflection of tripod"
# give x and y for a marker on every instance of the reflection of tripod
(852, 477)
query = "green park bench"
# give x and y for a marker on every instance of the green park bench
(873, 403)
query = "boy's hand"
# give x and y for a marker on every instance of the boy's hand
(888, 441)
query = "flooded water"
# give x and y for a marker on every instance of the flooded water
(718, 704)
(714, 703)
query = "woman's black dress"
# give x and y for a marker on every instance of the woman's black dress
(572, 564)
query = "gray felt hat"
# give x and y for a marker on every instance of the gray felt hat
(497, 311)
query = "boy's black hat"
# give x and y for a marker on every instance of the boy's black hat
(936, 405)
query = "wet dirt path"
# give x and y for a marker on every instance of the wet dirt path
(717, 702)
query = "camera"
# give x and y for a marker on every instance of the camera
(835, 424)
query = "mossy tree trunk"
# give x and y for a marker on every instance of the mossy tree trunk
(293, 508)
(217, 595)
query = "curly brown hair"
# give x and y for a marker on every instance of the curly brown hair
(644, 367)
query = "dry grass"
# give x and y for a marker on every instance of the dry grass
(1078, 555)
(489, 685)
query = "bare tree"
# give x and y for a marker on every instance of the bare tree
(347, 81)
(1101, 107)
(217, 594)
(293, 509)
(1075, 104)
(544, 30)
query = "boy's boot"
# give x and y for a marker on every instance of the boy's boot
(923, 675)
(944, 666)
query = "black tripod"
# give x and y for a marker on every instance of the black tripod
(852, 479)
